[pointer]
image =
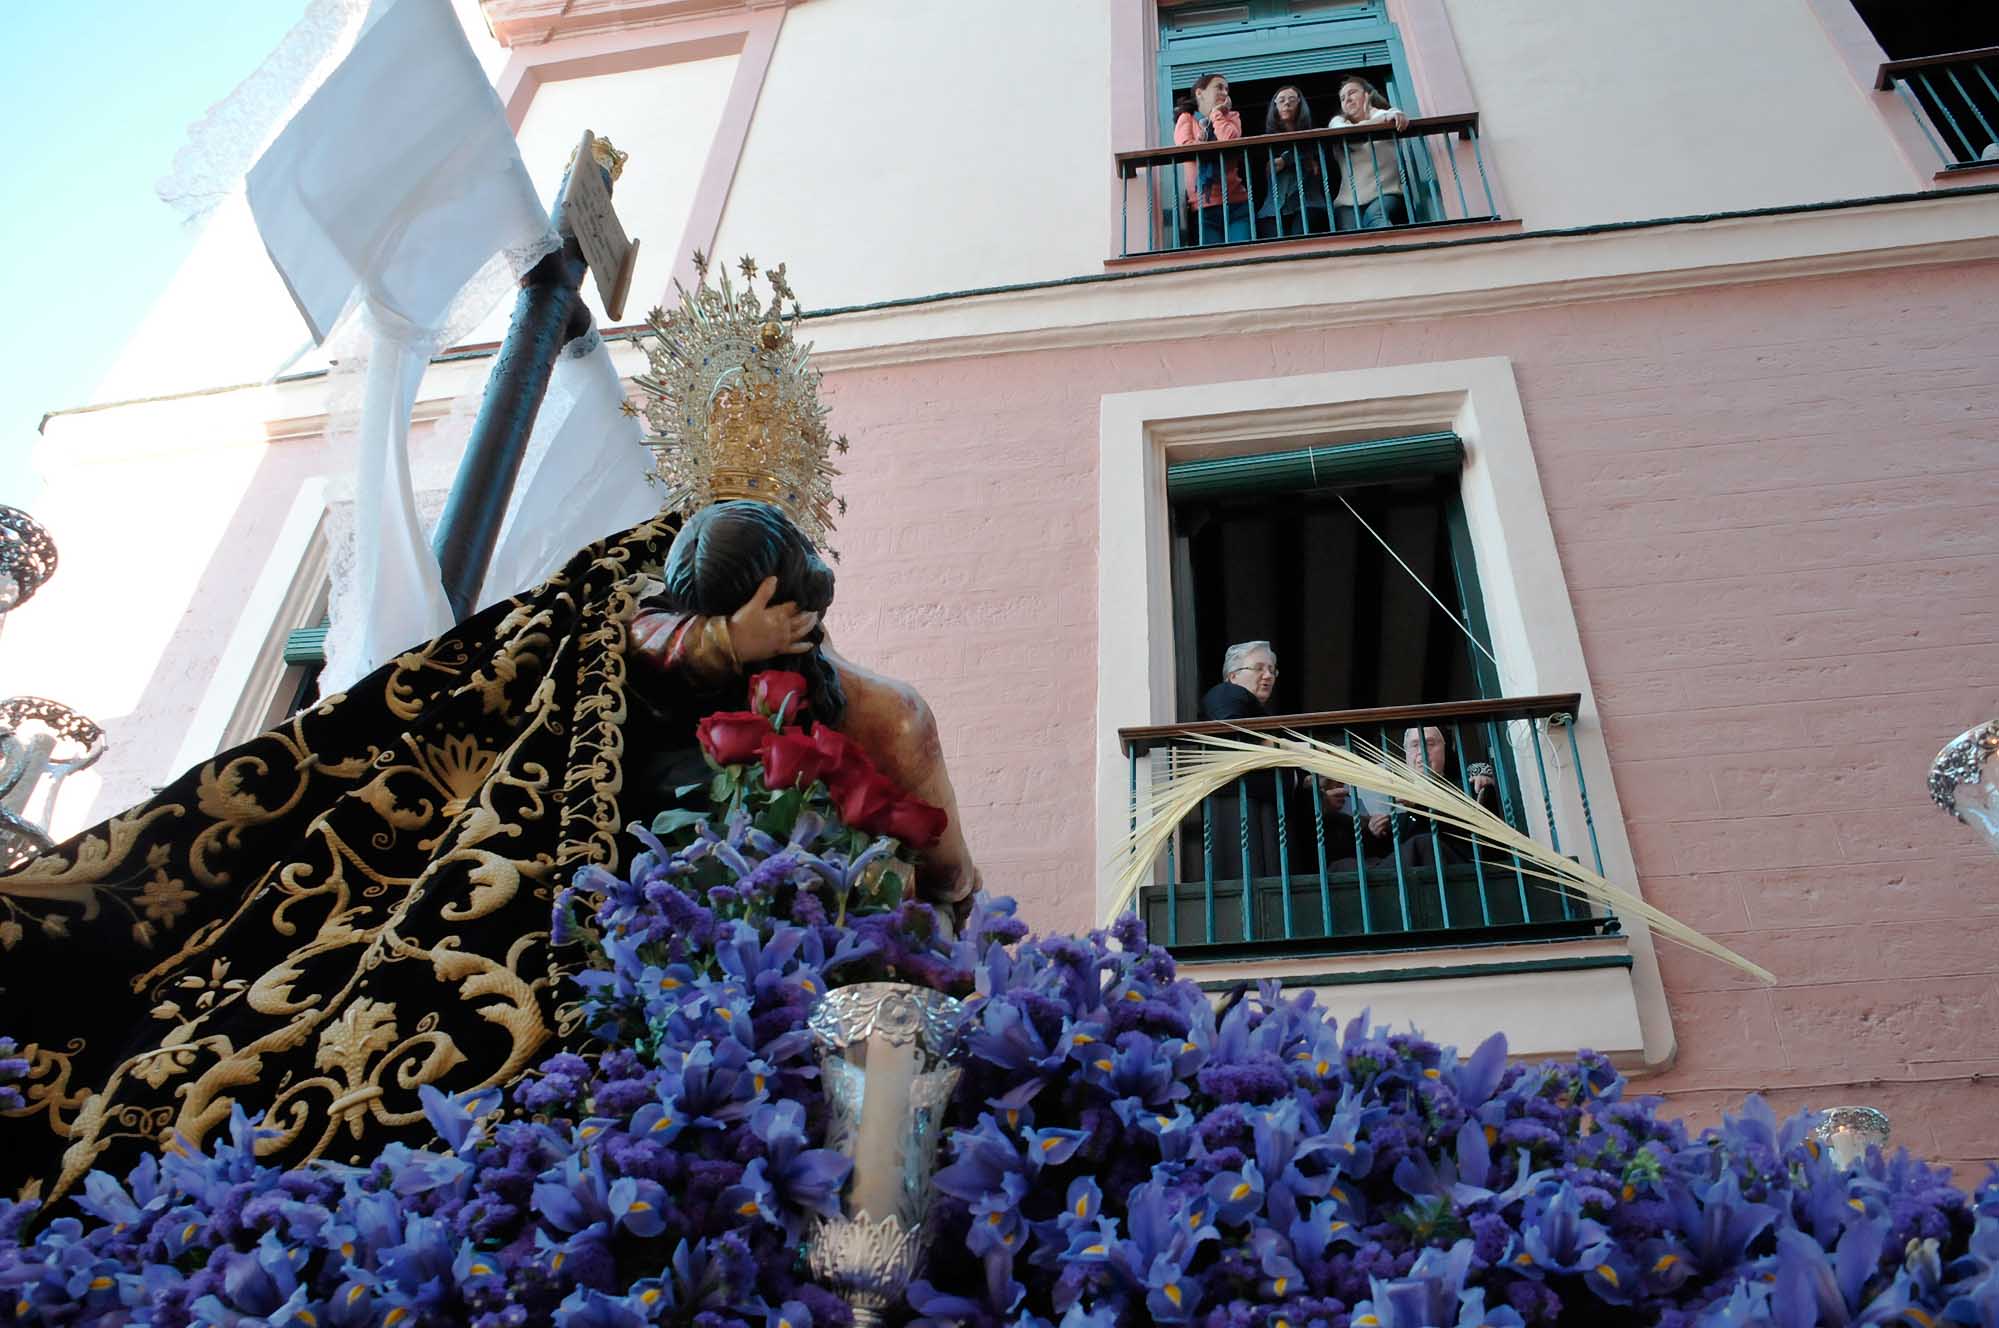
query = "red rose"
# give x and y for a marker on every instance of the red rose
(842, 757)
(773, 688)
(913, 821)
(864, 799)
(791, 760)
(732, 736)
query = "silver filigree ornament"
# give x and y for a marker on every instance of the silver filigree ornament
(1848, 1132)
(27, 557)
(885, 1051)
(42, 743)
(1964, 780)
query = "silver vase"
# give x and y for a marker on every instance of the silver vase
(885, 1052)
(1848, 1132)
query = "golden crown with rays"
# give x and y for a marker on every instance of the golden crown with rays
(731, 402)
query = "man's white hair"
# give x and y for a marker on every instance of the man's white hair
(1238, 655)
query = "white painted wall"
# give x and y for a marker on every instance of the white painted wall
(666, 119)
(224, 318)
(990, 163)
(1615, 110)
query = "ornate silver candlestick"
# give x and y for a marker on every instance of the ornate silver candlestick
(884, 1049)
(1848, 1132)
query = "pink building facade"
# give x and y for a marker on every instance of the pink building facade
(1728, 417)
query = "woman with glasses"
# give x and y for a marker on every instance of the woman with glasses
(1249, 673)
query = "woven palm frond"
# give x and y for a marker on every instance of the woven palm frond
(1217, 762)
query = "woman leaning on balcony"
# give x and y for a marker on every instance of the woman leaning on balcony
(1371, 191)
(1214, 185)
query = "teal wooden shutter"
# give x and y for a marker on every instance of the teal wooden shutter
(1305, 468)
(306, 645)
(1281, 39)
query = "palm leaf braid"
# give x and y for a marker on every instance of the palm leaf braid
(1216, 762)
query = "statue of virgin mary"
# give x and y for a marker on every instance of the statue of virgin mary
(354, 905)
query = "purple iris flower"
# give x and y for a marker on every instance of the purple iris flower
(578, 1195)
(939, 1309)
(1135, 1068)
(805, 1179)
(1166, 1231)
(1175, 1133)
(1977, 1307)
(718, 1084)
(1103, 1316)
(791, 1314)
(1813, 1288)
(1237, 1195)
(1051, 1147)
(588, 1308)
(981, 1160)
(1477, 1078)
(1078, 1231)
(1281, 1276)
(1719, 1224)
(997, 1225)
(1297, 1159)
(1432, 1295)
(1555, 1235)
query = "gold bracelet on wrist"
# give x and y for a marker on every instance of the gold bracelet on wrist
(703, 651)
(716, 629)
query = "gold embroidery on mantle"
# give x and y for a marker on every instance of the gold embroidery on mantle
(359, 896)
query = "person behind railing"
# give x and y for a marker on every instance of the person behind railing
(1249, 673)
(1295, 203)
(1214, 186)
(1370, 193)
(1407, 832)
(1334, 819)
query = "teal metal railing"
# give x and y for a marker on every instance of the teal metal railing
(1295, 186)
(1956, 101)
(1281, 863)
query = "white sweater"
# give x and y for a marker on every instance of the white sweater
(1368, 166)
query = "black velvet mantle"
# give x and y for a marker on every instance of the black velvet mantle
(343, 909)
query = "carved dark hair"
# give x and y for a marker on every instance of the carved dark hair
(723, 554)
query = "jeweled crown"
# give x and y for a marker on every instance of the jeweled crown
(731, 402)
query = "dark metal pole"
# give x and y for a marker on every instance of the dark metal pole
(548, 314)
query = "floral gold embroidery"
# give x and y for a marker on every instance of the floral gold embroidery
(359, 896)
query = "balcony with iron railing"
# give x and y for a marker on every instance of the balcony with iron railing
(1319, 185)
(1955, 100)
(1319, 883)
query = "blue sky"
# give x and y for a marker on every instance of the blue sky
(98, 94)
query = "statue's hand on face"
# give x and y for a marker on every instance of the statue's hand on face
(761, 630)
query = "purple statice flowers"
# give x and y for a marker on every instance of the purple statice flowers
(1121, 1154)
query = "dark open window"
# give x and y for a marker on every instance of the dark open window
(1907, 29)
(1354, 561)
(1943, 55)
(1266, 548)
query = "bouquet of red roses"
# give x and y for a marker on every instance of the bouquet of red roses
(773, 766)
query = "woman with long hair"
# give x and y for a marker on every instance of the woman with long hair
(1216, 195)
(1295, 203)
(1371, 192)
